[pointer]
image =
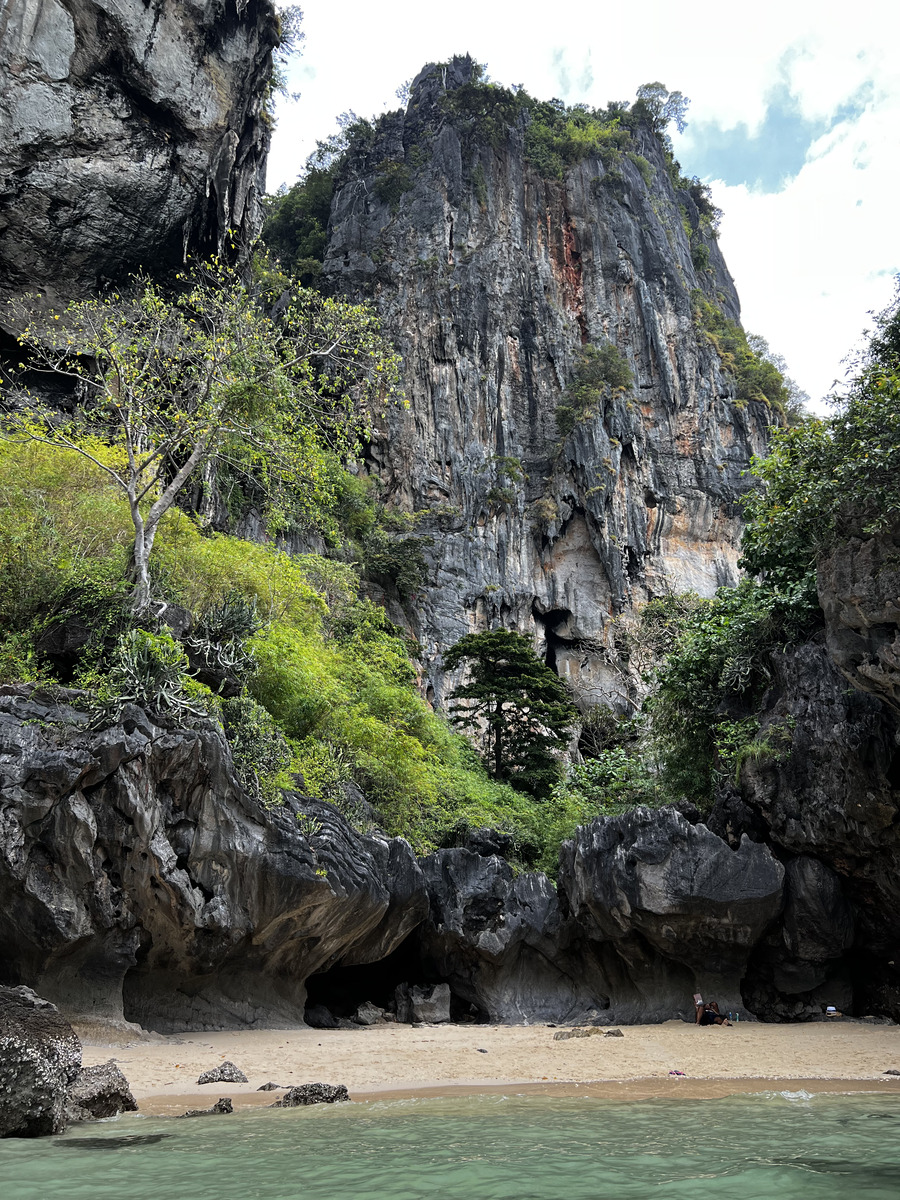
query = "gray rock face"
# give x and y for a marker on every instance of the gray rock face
(428, 1005)
(131, 131)
(679, 909)
(98, 1093)
(136, 878)
(649, 910)
(831, 804)
(40, 1058)
(502, 943)
(859, 590)
(491, 279)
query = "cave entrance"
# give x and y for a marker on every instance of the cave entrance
(342, 990)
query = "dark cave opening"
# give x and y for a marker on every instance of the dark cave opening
(342, 990)
(551, 620)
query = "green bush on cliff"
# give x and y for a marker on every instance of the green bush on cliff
(756, 378)
(601, 372)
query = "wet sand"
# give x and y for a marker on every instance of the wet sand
(398, 1060)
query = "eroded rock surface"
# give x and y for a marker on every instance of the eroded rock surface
(313, 1093)
(491, 279)
(137, 878)
(98, 1093)
(40, 1058)
(502, 943)
(678, 908)
(132, 130)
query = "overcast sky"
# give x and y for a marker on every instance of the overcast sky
(794, 120)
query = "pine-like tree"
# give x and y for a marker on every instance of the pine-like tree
(518, 704)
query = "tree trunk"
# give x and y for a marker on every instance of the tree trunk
(139, 564)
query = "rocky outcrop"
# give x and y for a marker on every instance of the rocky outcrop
(491, 279)
(313, 1093)
(502, 943)
(859, 590)
(138, 881)
(98, 1093)
(40, 1058)
(826, 799)
(133, 131)
(679, 908)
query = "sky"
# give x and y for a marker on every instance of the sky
(794, 121)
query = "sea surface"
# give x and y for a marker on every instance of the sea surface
(784, 1145)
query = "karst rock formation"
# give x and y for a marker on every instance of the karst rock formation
(492, 279)
(138, 882)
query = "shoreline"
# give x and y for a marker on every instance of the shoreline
(384, 1062)
(635, 1090)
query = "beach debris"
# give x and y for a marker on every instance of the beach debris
(589, 1031)
(676, 1072)
(613, 1033)
(272, 1087)
(312, 1093)
(891, 1071)
(367, 1014)
(98, 1093)
(222, 1105)
(225, 1072)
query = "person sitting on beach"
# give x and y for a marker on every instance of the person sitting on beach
(708, 1014)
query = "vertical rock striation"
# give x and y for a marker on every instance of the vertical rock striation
(133, 131)
(492, 279)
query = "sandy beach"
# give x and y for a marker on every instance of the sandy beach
(399, 1059)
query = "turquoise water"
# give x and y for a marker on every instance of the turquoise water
(786, 1145)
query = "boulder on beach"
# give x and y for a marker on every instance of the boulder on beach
(428, 1005)
(99, 1092)
(226, 1072)
(40, 1058)
(368, 1014)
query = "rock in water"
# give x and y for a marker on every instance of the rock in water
(99, 1092)
(40, 1058)
(222, 1105)
(312, 1093)
(226, 1072)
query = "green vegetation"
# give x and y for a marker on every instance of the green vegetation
(520, 705)
(296, 229)
(755, 377)
(176, 383)
(708, 662)
(601, 372)
(827, 479)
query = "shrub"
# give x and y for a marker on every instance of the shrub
(601, 372)
(262, 757)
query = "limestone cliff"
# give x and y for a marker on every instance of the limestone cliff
(491, 279)
(133, 131)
